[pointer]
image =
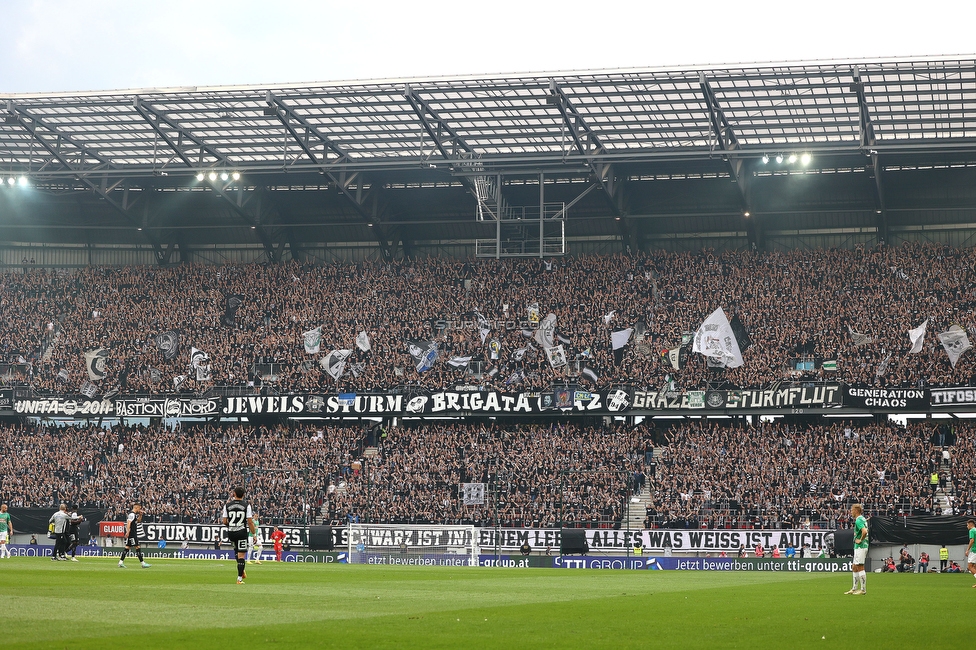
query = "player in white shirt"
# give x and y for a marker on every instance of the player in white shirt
(254, 547)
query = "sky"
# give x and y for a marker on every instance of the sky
(78, 45)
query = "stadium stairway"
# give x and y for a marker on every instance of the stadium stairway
(943, 495)
(637, 510)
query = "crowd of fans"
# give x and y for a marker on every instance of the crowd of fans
(793, 304)
(703, 474)
(777, 475)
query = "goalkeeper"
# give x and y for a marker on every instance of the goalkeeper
(254, 547)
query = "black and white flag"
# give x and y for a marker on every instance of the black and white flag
(609, 317)
(618, 341)
(88, 389)
(459, 363)
(95, 361)
(334, 364)
(168, 344)
(956, 342)
(178, 381)
(589, 373)
(63, 375)
(917, 337)
(484, 327)
(424, 353)
(231, 305)
(312, 340)
(546, 334)
(200, 362)
(716, 340)
(473, 494)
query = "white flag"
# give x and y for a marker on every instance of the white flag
(716, 341)
(859, 339)
(473, 494)
(608, 317)
(312, 340)
(557, 356)
(546, 334)
(917, 337)
(335, 363)
(955, 343)
(362, 342)
(620, 338)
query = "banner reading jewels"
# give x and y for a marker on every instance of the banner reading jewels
(784, 396)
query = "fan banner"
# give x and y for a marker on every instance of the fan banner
(887, 398)
(784, 396)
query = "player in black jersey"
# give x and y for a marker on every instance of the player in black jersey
(132, 536)
(238, 519)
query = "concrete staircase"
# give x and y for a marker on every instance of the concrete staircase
(942, 495)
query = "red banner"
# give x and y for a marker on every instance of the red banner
(111, 528)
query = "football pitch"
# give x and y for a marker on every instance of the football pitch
(196, 603)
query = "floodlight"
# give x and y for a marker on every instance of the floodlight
(236, 176)
(765, 159)
(224, 176)
(792, 158)
(213, 176)
(23, 181)
(745, 214)
(779, 158)
(200, 176)
(11, 180)
(805, 159)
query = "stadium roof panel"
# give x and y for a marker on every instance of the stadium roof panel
(636, 115)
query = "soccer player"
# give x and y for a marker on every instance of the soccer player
(6, 530)
(60, 522)
(971, 548)
(132, 536)
(74, 532)
(860, 550)
(239, 520)
(277, 536)
(254, 541)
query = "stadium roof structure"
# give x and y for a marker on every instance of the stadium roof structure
(763, 155)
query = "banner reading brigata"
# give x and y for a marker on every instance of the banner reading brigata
(510, 539)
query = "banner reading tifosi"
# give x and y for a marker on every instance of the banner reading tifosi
(510, 539)
(784, 396)
(614, 400)
(963, 396)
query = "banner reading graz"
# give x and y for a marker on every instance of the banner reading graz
(613, 400)
(510, 539)
(807, 395)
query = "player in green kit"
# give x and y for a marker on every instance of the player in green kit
(860, 550)
(6, 530)
(970, 549)
(254, 541)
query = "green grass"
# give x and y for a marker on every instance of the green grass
(194, 603)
